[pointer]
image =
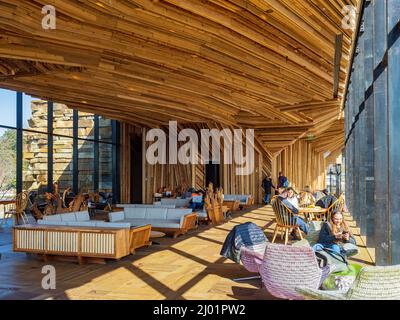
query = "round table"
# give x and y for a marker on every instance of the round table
(156, 234)
(312, 212)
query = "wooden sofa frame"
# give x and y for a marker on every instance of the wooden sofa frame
(189, 223)
(233, 205)
(250, 202)
(82, 243)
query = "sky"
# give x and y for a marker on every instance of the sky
(8, 113)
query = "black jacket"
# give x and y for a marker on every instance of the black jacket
(326, 202)
(326, 236)
(267, 185)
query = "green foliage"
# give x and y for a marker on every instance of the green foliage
(8, 154)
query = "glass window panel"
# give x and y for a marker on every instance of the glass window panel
(86, 125)
(105, 129)
(105, 167)
(34, 170)
(8, 160)
(63, 120)
(8, 109)
(85, 166)
(34, 114)
(63, 162)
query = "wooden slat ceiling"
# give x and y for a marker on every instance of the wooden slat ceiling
(263, 64)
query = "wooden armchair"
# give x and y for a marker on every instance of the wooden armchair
(18, 213)
(214, 205)
(336, 206)
(286, 220)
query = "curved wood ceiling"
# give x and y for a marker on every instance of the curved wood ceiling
(263, 64)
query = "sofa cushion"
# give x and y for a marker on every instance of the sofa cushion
(52, 223)
(54, 217)
(229, 197)
(176, 214)
(202, 214)
(135, 222)
(161, 223)
(68, 217)
(155, 223)
(168, 201)
(102, 224)
(183, 202)
(116, 216)
(82, 216)
(242, 199)
(81, 223)
(156, 213)
(135, 213)
(169, 206)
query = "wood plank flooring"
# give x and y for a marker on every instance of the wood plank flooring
(189, 267)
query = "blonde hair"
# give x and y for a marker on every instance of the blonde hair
(344, 225)
(306, 198)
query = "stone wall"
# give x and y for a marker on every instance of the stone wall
(35, 149)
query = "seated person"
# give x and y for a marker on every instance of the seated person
(292, 197)
(306, 198)
(197, 201)
(334, 234)
(279, 190)
(189, 192)
(300, 222)
(326, 201)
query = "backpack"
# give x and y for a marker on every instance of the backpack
(286, 184)
(329, 257)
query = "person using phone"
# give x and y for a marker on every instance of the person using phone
(334, 234)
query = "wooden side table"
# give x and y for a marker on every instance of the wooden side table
(155, 235)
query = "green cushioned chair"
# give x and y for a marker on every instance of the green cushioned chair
(371, 283)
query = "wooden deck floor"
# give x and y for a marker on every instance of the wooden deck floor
(189, 267)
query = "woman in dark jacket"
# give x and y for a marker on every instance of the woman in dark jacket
(334, 234)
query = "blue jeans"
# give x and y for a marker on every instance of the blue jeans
(196, 205)
(267, 198)
(332, 246)
(302, 225)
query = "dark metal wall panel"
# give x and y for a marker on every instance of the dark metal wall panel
(50, 146)
(380, 137)
(75, 180)
(19, 141)
(369, 124)
(373, 130)
(394, 128)
(361, 151)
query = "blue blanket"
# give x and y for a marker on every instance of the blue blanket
(247, 234)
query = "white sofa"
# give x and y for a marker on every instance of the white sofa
(79, 219)
(175, 221)
(154, 205)
(73, 234)
(177, 202)
(244, 199)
